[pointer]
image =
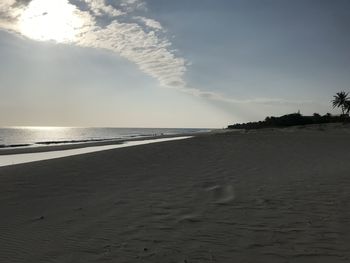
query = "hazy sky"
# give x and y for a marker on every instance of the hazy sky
(166, 63)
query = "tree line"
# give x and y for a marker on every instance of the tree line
(340, 100)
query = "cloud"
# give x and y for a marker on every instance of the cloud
(99, 8)
(9, 13)
(140, 43)
(259, 101)
(139, 39)
(150, 22)
(146, 49)
(133, 5)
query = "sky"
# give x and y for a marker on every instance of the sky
(163, 63)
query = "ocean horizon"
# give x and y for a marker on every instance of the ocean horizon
(17, 137)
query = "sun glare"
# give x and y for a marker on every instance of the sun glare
(50, 20)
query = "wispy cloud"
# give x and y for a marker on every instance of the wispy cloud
(100, 8)
(216, 96)
(135, 38)
(118, 27)
(146, 49)
(151, 23)
(133, 5)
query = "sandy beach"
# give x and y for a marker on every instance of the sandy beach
(258, 196)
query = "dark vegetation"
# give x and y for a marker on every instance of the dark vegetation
(340, 100)
(290, 120)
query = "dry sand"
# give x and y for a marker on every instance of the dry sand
(263, 196)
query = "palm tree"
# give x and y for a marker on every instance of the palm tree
(341, 101)
(347, 107)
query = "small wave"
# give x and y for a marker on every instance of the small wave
(90, 140)
(73, 141)
(4, 146)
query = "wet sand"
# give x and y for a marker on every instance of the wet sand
(260, 196)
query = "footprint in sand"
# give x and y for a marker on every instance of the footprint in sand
(191, 218)
(222, 194)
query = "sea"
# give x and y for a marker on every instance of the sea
(15, 137)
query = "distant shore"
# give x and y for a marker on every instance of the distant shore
(269, 195)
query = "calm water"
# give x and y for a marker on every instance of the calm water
(38, 136)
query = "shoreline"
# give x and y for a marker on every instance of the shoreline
(69, 146)
(22, 158)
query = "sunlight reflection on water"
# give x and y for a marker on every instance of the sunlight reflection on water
(39, 136)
